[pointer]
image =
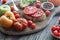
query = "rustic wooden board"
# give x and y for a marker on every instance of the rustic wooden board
(39, 26)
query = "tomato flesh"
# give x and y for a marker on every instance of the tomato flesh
(30, 10)
(38, 14)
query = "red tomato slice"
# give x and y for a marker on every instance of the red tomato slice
(38, 13)
(30, 10)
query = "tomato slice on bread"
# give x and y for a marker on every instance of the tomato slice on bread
(30, 10)
(38, 13)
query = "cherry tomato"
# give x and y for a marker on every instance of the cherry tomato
(47, 13)
(38, 3)
(57, 28)
(12, 8)
(4, 1)
(54, 28)
(33, 26)
(56, 33)
(15, 12)
(17, 16)
(59, 21)
(30, 22)
(59, 34)
(59, 31)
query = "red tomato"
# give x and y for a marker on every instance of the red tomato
(24, 26)
(30, 22)
(23, 22)
(57, 28)
(4, 1)
(17, 16)
(15, 12)
(54, 28)
(12, 8)
(59, 20)
(38, 3)
(33, 26)
(18, 26)
(59, 31)
(56, 33)
(59, 34)
(47, 13)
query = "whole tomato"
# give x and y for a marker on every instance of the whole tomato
(56, 33)
(59, 34)
(59, 20)
(4, 1)
(47, 12)
(24, 25)
(38, 3)
(30, 22)
(18, 26)
(12, 8)
(54, 28)
(33, 26)
(16, 14)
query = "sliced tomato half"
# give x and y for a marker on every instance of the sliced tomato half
(38, 13)
(30, 10)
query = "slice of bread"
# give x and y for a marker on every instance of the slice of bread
(24, 3)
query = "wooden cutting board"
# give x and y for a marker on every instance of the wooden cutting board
(39, 25)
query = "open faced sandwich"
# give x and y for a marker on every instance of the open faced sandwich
(33, 13)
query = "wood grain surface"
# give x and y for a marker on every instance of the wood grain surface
(42, 35)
